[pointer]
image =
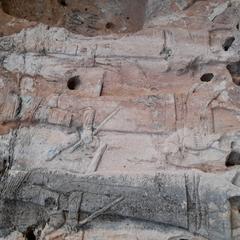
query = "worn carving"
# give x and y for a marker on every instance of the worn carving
(119, 120)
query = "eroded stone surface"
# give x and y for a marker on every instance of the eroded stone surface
(113, 127)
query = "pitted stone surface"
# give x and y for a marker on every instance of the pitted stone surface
(119, 120)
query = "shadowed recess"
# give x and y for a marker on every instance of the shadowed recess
(30, 234)
(207, 77)
(234, 70)
(87, 17)
(235, 213)
(73, 83)
(62, 2)
(228, 43)
(179, 238)
(50, 203)
(233, 159)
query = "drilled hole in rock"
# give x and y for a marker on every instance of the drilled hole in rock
(207, 77)
(63, 2)
(233, 159)
(30, 234)
(237, 26)
(234, 70)
(73, 83)
(86, 9)
(109, 25)
(228, 43)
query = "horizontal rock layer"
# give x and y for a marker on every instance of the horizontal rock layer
(121, 112)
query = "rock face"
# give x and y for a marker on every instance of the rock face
(119, 119)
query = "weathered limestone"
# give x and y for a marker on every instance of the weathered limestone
(119, 120)
(195, 201)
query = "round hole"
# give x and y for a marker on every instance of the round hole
(86, 9)
(207, 77)
(237, 26)
(63, 2)
(128, 18)
(73, 83)
(228, 43)
(109, 25)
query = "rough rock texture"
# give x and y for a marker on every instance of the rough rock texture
(119, 119)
